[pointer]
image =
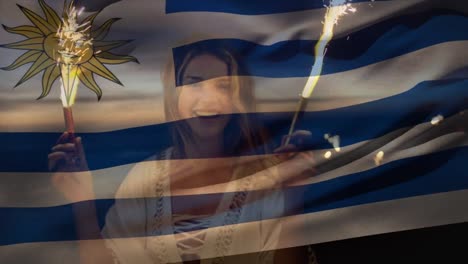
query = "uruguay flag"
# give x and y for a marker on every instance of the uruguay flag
(388, 122)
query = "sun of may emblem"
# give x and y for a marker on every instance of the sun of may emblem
(62, 46)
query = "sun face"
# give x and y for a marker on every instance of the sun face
(64, 47)
(77, 53)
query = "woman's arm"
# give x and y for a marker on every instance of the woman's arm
(74, 180)
(92, 248)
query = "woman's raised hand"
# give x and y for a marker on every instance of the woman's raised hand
(297, 164)
(67, 155)
(71, 174)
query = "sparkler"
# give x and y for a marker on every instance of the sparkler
(378, 158)
(75, 44)
(437, 119)
(334, 12)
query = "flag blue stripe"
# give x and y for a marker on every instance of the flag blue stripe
(376, 43)
(434, 173)
(247, 7)
(27, 152)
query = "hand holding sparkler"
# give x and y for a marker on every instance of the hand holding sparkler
(334, 12)
(71, 175)
(68, 155)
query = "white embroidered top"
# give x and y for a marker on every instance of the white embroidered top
(145, 230)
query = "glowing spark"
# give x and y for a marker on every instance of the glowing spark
(334, 12)
(378, 158)
(69, 87)
(334, 141)
(80, 11)
(436, 120)
(327, 155)
(75, 42)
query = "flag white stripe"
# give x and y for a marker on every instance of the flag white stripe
(337, 224)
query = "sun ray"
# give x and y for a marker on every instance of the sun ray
(26, 58)
(67, 8)
(51, 16)
(39, 65)
(27, 31)
(50, 75)
(101, 32)
(98, 68)
(110, 58)
(90, 19)
(102, 46)
(28, 44)
(87, 78)
(38, 21)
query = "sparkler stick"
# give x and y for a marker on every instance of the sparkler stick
(69, 123)
(334, 12)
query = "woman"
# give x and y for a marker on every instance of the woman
(205, 92)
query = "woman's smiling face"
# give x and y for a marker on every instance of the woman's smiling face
(206, 96)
